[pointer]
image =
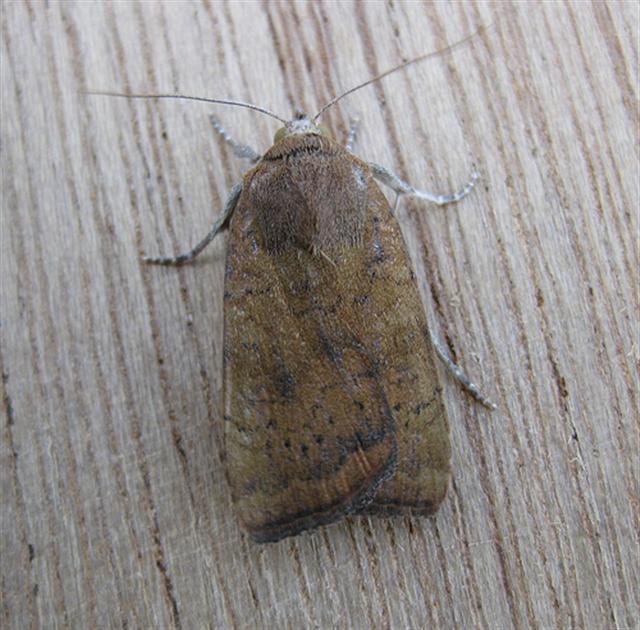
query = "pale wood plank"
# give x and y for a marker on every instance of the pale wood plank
(115, 507)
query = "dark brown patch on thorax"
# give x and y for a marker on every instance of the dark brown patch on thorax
(308, 192)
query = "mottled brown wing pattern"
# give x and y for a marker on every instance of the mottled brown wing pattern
(331, 398)
(408, 375)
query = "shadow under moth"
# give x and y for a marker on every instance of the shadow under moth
(332, 403)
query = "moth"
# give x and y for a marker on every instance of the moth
(332, 402)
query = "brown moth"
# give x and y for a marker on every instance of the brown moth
(332, 402)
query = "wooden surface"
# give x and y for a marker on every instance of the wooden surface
(115, 508)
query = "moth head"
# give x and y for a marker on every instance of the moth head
(300, 124)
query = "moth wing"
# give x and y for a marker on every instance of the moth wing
(309, 432)
(392, 324)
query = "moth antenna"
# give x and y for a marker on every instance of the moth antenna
(190, 98)
(433, 53)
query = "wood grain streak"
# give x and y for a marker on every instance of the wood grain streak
(116, 511)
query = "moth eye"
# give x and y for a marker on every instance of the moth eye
(324, 131)
(280, 134)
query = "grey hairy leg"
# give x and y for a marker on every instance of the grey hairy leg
(218, 225)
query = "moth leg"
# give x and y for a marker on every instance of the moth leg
(390, 179)
(218, 225)
(240, 150)
(460, 376)
(354, 125)
(396, 203)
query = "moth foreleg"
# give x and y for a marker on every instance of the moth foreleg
(240, 150)
(460, 376)
(354, 125)
(401, 187)
(218, 225)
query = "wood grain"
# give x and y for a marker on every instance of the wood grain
(116, 512)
